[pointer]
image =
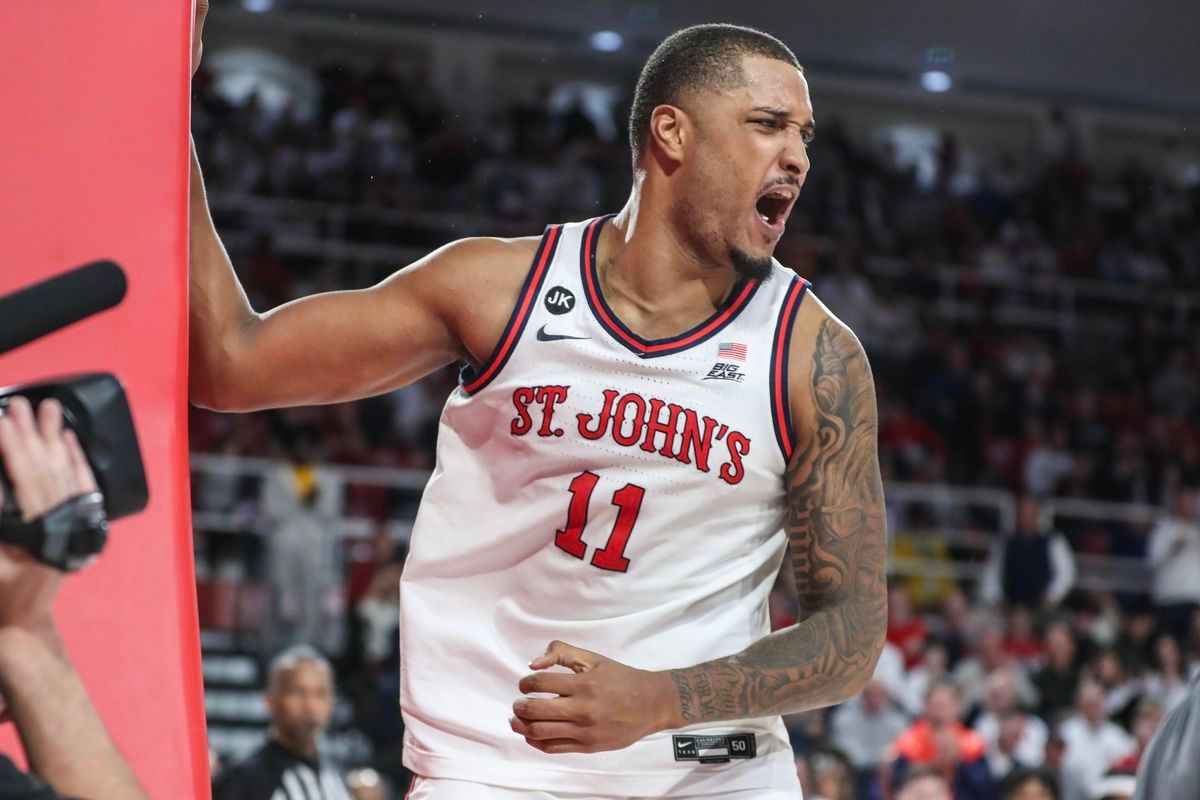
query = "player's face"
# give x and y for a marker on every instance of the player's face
(748, 162)
(301, 701)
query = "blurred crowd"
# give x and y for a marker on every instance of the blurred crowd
(1103, 407)
(1023, 672)
(977, 695)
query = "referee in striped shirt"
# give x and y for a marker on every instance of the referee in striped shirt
(288, 767)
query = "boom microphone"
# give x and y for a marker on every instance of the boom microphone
(46, 307)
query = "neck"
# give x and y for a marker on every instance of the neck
(653, 277)
(303, 746)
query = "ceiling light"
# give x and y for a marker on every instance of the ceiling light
(607, 41)
(936, 81)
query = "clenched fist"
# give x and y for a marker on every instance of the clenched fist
(601, 704)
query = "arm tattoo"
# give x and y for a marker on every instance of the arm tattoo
(837, 540)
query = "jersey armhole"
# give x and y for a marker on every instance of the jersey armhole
(781, 412)
(471, 380)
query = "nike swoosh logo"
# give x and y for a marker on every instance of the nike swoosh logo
(542, 336)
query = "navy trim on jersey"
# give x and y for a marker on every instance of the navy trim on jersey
(781, 412)
(740, 297)
(472, 380)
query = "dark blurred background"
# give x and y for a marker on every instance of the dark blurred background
(1004, 203)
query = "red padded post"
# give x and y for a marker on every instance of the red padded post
(94, 104)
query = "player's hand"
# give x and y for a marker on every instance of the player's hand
(601, 704)
(198, 33)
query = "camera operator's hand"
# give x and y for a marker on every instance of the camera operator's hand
(47, 467)
(64, 739)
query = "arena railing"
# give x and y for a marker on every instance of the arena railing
(965, 519)
(335, 235)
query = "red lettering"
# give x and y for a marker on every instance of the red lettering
(629, 501)
(548, 396)
(694, 441)
(570, 538)
(733, 472)
(655, 426)
(637, 421)
(602, 419)
(521, 399)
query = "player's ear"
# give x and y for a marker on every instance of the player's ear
(670, 128)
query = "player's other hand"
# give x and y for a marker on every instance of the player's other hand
(197, 34)
(600, 705)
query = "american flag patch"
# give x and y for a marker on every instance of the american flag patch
(731, 350)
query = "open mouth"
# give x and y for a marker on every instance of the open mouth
(773, 206)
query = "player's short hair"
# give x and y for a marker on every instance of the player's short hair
(287, 660)
(705, 56)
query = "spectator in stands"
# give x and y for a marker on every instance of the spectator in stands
(864, 726)
(304, 569)
(1147, 716)
(1049, 461)
(1020, 640)
(1003, 718)
(1166, 682)
(891, 673)
(299, 698)
(826, 774)
(923, 783)
(64, 738)
(1134, 642)
(957, 626)
(377, 685)
(1003, 756)
(906, 629)
(1092, 743)
(930, 670)
(912, 449)
(939, 740)
(1029, 784)
(1120, 690)
(1058, 678)
(1174, 555)
(988, 657)
(1031, 567)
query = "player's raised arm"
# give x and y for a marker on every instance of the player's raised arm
(837, 541)
(337, 346)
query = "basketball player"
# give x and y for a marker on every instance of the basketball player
(651, 411)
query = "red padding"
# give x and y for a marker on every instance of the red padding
(93, 164)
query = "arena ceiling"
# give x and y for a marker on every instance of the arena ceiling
(1144, 53)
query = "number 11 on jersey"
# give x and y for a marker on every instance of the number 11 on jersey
(627, 499)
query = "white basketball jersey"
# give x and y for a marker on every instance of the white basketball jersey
(623, 495)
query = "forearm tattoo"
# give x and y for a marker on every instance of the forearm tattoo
(837, 540)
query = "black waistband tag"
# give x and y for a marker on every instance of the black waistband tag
(715, 749)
